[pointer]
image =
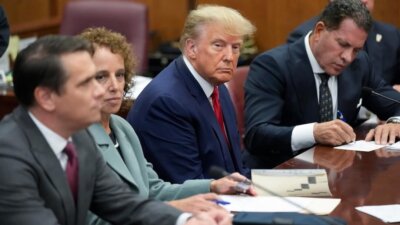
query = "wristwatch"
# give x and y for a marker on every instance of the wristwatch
(393, 120)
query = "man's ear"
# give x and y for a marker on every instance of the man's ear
(318, 29)
(191, 48)
(44, 98)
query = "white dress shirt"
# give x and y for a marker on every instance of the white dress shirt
(56, 142)
(302, 135)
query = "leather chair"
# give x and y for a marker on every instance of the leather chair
(125, 17)
(236, 91)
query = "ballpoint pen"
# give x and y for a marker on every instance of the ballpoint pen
(221, 202)
(340, 116)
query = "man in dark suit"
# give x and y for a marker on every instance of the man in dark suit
(310, 91)
(175, 115)
(50, 170)
(382, 46)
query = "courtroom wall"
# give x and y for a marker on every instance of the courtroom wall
(274, 19)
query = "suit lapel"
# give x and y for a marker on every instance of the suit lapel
(375, 49)
(303, 77)
(205, 107)
(110, 154)
(232, 131)
(48, 161)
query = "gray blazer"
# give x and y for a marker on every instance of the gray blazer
(34, 188)
(136, 171)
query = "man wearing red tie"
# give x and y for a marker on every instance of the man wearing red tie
(50, 169)
(184, 118)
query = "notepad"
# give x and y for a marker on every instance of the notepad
(361, 145)
(291, 182)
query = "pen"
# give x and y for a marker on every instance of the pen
(221, 202)
(340, 116)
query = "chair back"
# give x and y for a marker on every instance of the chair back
(125, 17)
(236, 91)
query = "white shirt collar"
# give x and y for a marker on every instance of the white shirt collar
(207, 87)
(56, 142)
(316, 68)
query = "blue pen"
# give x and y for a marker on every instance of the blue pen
(340, 116)
(221, 202)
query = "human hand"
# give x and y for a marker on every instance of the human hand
(212, 217)
(384, 133)
(396, 87)
(196, 203)
(229, 185)
(334, 132)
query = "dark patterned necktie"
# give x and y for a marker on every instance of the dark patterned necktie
(325, 99)
(218, 111)
(72, 169)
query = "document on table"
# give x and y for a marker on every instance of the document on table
(291, 182)
(361, 145)
(387, 213)
(318, 206)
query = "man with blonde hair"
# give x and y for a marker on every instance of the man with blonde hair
(185, 118)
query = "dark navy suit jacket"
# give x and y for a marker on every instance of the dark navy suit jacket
(382, 46)
(280, 93)
(178, 130)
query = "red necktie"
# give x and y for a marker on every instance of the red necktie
(218, 111)
(72, 169)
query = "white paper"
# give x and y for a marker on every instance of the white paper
(318, 206)
(395, 146)
(361, 145)
(291, 182)
(387, 213)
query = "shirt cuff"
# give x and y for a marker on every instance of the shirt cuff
(183, 218)
(303, 136)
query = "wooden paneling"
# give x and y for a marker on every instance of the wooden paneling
(274, 19)
(166, 18)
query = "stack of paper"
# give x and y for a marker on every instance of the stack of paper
(387, 213)
(291, 182)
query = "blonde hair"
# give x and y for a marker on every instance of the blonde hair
(231, 20)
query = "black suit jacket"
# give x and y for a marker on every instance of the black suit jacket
(280, 93)
(382, 46)
(34, 188)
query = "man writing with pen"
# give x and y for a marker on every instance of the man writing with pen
(310, 91)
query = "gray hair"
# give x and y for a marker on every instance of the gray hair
(232, 21)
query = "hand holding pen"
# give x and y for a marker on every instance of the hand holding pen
(334, 132)
(233, 184)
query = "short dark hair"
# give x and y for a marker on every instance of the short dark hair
(39, 65)
(338, 10)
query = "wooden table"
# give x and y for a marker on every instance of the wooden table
(358, 178)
